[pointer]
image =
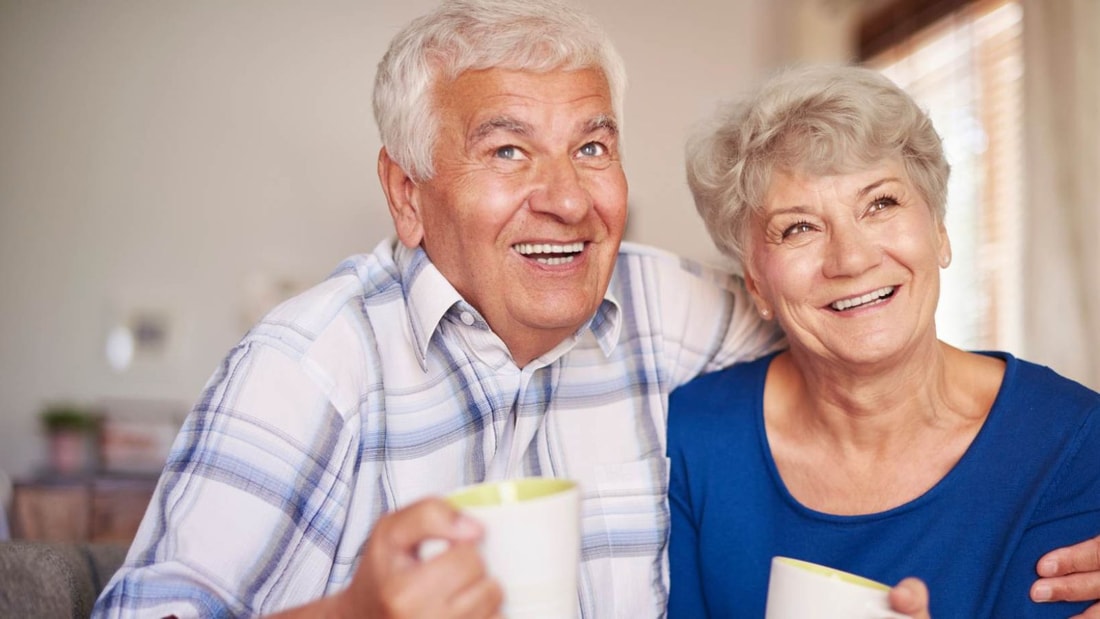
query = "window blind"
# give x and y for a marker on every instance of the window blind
(966, 67)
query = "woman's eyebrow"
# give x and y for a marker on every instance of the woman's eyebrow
(879, 183)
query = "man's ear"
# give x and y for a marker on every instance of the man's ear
(403, 197)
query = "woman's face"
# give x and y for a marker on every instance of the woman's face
(849, 264)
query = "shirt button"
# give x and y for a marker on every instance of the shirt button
(467, 318)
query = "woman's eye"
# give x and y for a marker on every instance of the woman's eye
(797, 228)
(881, 204)
(593, 149)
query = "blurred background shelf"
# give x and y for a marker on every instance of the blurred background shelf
(94, 508)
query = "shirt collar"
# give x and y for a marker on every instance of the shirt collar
(429, 296)
(607, 323)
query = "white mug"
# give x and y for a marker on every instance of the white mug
(532, 542)
(800, 589)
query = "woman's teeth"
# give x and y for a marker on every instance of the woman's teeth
(870, 297)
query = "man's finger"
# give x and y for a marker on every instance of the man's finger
(457, 567)
(1080, 557)
(1073, 588)
(481, 598)
(403, 531)
(452, 584)
(1092, 612)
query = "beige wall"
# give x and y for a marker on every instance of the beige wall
(179, 157)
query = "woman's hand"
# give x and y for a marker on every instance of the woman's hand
(910, 597)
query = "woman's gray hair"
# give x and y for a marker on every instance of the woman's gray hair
(464, 35)
(818, 120)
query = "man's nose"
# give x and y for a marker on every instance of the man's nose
(561, 191)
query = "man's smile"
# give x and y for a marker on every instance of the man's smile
(550, 254)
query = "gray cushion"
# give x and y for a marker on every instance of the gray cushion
(47, 579)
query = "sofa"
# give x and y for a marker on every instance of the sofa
(55, 579)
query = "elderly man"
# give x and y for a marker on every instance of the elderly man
(505, 333)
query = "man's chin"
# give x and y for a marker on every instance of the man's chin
(554, 317)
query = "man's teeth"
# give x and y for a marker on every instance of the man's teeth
(867, 298)
(550, 254)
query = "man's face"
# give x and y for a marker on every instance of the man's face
(527, 207)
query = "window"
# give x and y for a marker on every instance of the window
(963, 62)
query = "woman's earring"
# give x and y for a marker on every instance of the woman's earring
(945, 260)
(765, 313)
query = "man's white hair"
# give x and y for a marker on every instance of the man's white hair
(464, 35)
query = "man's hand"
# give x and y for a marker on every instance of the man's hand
(910, 597)
(392, 582)
(1070, 574)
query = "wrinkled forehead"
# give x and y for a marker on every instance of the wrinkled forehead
(811, 154)
(810, 165)
(558, 84)
(448, 60)
(580, 97)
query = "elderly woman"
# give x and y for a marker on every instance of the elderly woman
(869, 445)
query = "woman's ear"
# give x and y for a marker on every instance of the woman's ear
(945, 247)
(403, 198)
(753, 288)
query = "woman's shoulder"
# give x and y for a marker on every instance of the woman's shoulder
(1042, 413)
(1026, 381)
(739, 380)
(719, 407)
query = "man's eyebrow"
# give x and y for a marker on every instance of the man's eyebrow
(603, 122)
(500, 123)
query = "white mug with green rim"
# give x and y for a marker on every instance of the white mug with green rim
(799, 589)
(532, 542)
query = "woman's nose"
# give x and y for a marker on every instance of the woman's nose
(850, 251)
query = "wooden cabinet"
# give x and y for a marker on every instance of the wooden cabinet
(92, 509)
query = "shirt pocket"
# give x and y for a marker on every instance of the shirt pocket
(624, 515)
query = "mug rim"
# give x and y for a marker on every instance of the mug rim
(830, 572)
(508, 492)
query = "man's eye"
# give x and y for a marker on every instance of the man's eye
(507, 152)
(593, 149)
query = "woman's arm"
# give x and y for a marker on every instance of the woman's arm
(1069, 511)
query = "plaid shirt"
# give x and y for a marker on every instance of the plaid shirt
(380, 386)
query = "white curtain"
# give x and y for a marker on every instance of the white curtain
(1061, 286)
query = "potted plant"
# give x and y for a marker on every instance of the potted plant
(69, 431)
